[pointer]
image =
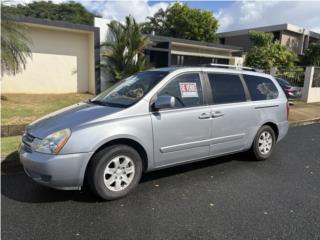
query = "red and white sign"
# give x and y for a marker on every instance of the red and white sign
(188, 90)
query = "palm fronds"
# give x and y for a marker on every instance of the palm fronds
(124, 50)
(14, 45)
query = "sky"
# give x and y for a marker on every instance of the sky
(232, 15)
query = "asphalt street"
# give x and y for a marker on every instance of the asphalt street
(223, 198)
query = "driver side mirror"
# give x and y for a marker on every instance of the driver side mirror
(164, 101)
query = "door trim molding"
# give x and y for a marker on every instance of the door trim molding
(201, 143)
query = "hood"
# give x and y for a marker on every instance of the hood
(69, 117)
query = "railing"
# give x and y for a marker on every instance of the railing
(294, 77)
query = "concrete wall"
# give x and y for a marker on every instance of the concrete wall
(199, 50)
(62, 62)
(106, 78)
(311, 91)
(292, 40)
(203, 51)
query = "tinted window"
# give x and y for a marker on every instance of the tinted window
(226, 88)
(186, 89)
(260, 88)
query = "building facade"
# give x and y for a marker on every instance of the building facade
(296, 38)
(64, 59)
(167, 51)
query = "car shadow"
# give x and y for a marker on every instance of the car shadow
(16, 185)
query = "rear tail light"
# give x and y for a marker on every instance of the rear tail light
(288, 108)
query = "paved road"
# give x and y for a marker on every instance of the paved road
(224, 198)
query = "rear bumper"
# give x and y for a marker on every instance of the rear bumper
(57, 171)
(283, 129)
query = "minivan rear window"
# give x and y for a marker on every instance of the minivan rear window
(226, 88)
(260, 88)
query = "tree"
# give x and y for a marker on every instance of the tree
(14, 45)
(260, 39)
(124, 52)
(69, 11)
(267, 53)
(181, 21)
(312, 55)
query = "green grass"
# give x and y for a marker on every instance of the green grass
(9, 145)
(25, 108)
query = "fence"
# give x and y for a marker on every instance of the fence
(308, 79)
(294, 77)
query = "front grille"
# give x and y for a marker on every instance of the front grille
(27, 140)
(27, 148)
(28, 137)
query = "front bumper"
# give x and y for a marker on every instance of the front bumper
(57, 171)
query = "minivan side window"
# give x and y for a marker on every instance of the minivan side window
(226, 88)
(186, 89)
(260, 88)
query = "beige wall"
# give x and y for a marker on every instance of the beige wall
(309, 93)
(62, 62)
(201, 50)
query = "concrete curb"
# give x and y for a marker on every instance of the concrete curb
(304, 122)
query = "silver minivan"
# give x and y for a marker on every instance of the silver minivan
(155, 119)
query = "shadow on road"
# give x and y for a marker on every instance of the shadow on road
(16, 185)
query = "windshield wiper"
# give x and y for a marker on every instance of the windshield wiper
(97, 102)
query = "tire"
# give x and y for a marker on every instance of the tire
(261, 149)
(114, 171)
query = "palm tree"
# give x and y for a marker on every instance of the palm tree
(14, 45)
(124, 50)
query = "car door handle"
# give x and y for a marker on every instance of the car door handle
(205, 115)
(217, 114)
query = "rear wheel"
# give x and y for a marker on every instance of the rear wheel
(114, 171)
(264, 143)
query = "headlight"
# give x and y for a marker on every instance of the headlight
(53, 143)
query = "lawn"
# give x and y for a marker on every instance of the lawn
(9, 145)
(25, 108)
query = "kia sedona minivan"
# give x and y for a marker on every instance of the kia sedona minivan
(155, 119)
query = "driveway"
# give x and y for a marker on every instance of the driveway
(223, 198)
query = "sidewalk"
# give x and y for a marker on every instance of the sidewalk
(301, 113)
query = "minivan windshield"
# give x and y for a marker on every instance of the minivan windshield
(130, 90)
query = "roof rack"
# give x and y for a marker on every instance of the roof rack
(231, 66)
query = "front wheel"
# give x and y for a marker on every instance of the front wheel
(114, 171)
(264, 143)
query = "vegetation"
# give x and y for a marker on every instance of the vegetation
(14, 45)
(181, 21)
(267, 53)
(68, 11)
(9, 145)
(312, 55)
(124, 51)
(260, 39)
(25, 108)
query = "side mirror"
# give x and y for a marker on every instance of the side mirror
(164, 101)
